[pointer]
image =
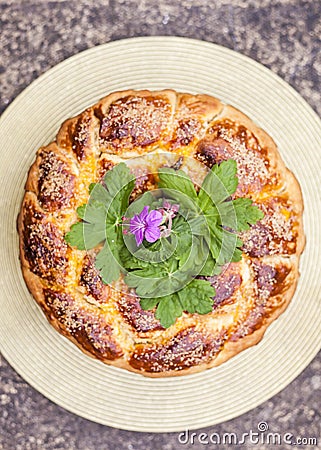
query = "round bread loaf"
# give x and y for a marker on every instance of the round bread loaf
(107, 321)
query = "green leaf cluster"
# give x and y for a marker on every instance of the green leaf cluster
(195, 297)
(204, 236)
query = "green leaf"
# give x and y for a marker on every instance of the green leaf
(204, 306)
(114, 196)
(157, 280)
(107, 264)
(103, 210)
(95, 213)
(226, 173)
(99, 193)
(81, 211)
(119, 183)
(84, 236)
(209, 267)
(220, 183)
(197, 297)
(148, 303)
(184, 242)
(158, 252)
(75, 237)
(198, 225)
(237, 255)
(144, 280)
(177, 180)
(118, 178)
(168, 310)
(194, 258)
(253, 214)
(129, 261)
(224, 246)
(239, 214)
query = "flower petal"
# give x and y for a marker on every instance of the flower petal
(166, 204)
(144, 213)
(152, 234)
(146, 225)
(139, 236)
(175, 208)
(154, 218)
(135, 224)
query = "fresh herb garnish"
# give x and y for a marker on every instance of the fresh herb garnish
(101, 220)
(166, 238)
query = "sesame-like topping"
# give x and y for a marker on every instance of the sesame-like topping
(226, 140)
(187, 348)
(91, 280)
(85, 323)
(81, 136)
(134, 121)
(142, 321)
(270, 279)
(144, 181)
(56, 182)
(44, 246)
(185, 130)
(225, 285)
(252, 322)
(275, 233)
(103, 166)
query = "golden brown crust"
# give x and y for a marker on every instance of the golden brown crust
(276, 233)
(131, 122)
(107, 322)
(52, 179)
(79, 136)
(42, 246)
(192, 116)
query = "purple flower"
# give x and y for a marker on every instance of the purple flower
(169, 211)
(146, 225)
(171, 208)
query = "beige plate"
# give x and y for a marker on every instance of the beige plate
(54, 366)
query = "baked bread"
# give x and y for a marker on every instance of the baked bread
(107, 321)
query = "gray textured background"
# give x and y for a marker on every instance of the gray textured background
(285, 36)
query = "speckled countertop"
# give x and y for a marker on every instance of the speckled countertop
(35, 35)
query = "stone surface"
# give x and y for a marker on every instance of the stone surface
(35, 35)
